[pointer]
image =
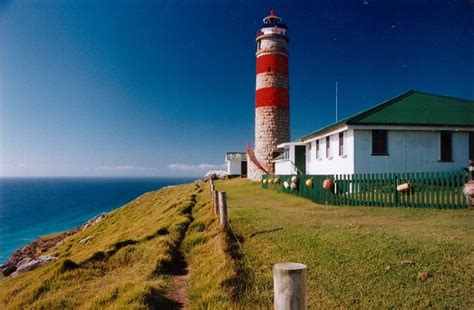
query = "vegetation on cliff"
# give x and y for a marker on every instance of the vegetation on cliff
(125, 261)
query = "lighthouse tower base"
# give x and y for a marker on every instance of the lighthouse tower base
(253, 172)
(272, 127)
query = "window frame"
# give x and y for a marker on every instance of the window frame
(446, 155)
(341, 143)
(470, 138)
(317, 149)
(375, 133)
(328, 146)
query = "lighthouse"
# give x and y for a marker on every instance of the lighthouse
(272, 104)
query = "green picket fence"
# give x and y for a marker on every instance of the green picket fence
(441, 190)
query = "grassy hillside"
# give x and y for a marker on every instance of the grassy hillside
(124, 263)
(357, 257)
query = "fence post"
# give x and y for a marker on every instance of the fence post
(395, 192)
(289, 286)
(211, 184)
(223, 209)
(215, 202)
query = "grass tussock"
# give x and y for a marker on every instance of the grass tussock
(124, 263)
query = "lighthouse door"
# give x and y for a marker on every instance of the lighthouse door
(300, 158)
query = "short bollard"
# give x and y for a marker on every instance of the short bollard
(223, 209)
(289, 286)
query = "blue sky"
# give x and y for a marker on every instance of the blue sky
(128, 88)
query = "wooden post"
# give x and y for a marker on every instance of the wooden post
(289, 286)
(211, 184)
(223, 209)
(215, 201)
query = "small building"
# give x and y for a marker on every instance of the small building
(236, 163)
(414, 132)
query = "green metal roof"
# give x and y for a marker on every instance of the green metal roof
(412, 108)
(236, 156)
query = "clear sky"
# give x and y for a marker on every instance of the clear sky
(125, 88)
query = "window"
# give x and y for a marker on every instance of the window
(328, 146)
(471, 145)
(286, 154)
(317, 149)
(379, 142)
(341, 143)
(446, 145)
(310, 146)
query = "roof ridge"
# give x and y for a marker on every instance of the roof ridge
(380, 106)
(444, 96)
(364, 113)
(368, 112)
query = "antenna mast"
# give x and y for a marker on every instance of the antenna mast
(336, 101)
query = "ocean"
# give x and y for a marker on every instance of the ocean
(32, 207)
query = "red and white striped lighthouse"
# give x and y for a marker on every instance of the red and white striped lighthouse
(272, 109)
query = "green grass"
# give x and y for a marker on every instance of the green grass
(124, 264)
(215, 275)
(354, 254)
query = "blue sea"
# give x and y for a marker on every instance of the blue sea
(31, 207)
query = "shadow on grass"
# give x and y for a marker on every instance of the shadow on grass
(265, 231)
(154, 299)
(239, 284)
(175, 266)
(176, 263)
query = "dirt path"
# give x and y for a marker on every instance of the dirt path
(179, 291)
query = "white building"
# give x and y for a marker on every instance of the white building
(414, 132)
(236, 163)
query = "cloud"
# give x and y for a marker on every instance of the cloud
(196, 168)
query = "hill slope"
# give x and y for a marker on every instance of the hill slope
(123, 263)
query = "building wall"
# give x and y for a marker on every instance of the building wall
(253, 172)
(234, 167)
(409, 151)
(334, 164)
(285, 166)
(271, 128)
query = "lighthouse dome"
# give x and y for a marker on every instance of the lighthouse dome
(273, 20)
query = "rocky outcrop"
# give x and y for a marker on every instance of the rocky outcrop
(216, 174)
(93, 221)
(29, 257)
(30, 264)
